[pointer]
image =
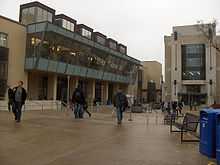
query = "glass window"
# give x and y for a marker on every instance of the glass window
(3, 40)
(101, 40)
(44, 16)
(86, 33)
(39, 14)
(28, 15)
(24, 14)
(112, 45)
(68, 25)
(72, 27)
(122, 49)
(64, 23)
(49, 17)
(193, 62)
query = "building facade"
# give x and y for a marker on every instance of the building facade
(57, 54)
(148, 83)
(192, 65)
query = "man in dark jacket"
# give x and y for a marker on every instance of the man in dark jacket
(10, 98)
(20, 95)
(78, 100)
(120, 102)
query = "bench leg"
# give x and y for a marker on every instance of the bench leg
(182, 139)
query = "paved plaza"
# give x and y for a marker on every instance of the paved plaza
(55, 138)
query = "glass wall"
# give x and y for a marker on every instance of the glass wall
(193, 62)
(57, 47)
(35, 14)
(3, 40)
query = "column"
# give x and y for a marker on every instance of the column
(54, 87)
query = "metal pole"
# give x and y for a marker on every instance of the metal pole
(68, 91)
(130, 115)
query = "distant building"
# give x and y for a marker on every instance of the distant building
(149, 81)
(50, 52)
(192, 65)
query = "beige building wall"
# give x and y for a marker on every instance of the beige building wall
(218, 70)
(166, 89)
(17, 45)
(152, 70)
(173, 63)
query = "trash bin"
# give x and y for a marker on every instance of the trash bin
(208, 132)
(218, 137)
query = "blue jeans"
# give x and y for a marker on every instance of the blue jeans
(78, 111)
(120, 111)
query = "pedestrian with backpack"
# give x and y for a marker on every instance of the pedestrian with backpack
(121, 103)
(78, 100)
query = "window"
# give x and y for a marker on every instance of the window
(112, 45)
(64, 23)
(193, 62)
(101, 40)
(3, 40)
(49, 17)
(28, 15)
(72, 27)
(86, 33)
(122, 49)
(43, 15)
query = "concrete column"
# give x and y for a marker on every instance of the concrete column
(105, 93)
(54, 87)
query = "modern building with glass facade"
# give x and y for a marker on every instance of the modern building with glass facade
(60, 54)
(192, 65)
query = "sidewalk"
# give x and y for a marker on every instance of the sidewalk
(55, 138)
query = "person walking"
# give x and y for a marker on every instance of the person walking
(78, 100)
(120, 102)
(20, 96)
(10, 98)
(85, 108)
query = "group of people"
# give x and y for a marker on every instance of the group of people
(80, 105)
(174, 106)
(17, 96)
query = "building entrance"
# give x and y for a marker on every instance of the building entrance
(193, 95)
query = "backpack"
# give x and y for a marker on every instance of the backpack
(77, 96)
(123, 100)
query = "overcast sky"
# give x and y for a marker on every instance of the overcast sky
(139, 24)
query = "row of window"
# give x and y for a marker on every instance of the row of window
(3, 40)
(35, 14)
(72, 52)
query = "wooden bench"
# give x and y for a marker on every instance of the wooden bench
(189, 124)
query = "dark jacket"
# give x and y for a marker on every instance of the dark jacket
(78, 97)
(120, 100)
(24, 94)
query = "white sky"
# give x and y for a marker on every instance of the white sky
(140, 24)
